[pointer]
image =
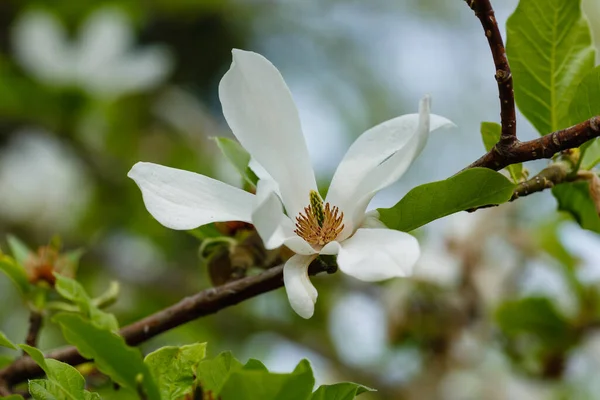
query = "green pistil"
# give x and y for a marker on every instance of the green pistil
(316, 203)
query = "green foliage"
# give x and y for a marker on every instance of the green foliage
(212, 374)
(72, 290)
(19, 250)
(238, 157)
(15, 272)
(112, 356)
(585, 105)
(5, 342)
(174, 369)
(64, 381)
(490, 134)
(340, 391)
(244, 384)
(590, 153)
(224, 377)
(575, 199)
(13, 397)
(535, 316)
(549, 48)
(471, 188)
(5, 360)
(586, 101)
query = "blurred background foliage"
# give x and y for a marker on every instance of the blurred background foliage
(505, 303)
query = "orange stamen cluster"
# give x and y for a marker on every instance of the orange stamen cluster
(319, 224)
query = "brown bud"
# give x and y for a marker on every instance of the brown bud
(42, 265)
(595, 190)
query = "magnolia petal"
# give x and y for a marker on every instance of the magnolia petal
(378, 158)
(260, 111)
(41, 47)
(105, 38)
(378, 254)
(272, 225)
(372, 220)
(299, 245)
(181, 199)
(300, 291)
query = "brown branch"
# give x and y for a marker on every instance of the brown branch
(543, 147)
(35, 324)
(484, 11)
(204, 303)
(547, 178)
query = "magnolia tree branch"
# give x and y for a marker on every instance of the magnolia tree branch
(509, 150)
(35, 324)
(543, 147)
(204, 303)
(484, 11)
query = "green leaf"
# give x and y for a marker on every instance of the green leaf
(19, 250)
(5, 360)
(474, 187)
(174, 369)
(15, 272)
(586, 101)
(590, 153)
(13, 397)
(255, 364)
(72, 290)
(5, 342)
(585, 105)
(575, 199)
(256, 384)
(212, 374)
(64, 381)
(490, 133)
(550, 50)
(111, 355)
(536, 316)
(238, 157)
(340, 391)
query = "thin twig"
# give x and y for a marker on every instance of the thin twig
(35, 324)
(484, 11)
(543, 147)
(549, 177)
(206, 302)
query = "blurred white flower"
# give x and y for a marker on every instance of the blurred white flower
(42, 183)
(101, 60)
(260, 110)
(582, 368)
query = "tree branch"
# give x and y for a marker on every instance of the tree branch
(204, 303)
(543, 147)
(509, 150)
(35, 324)
(484, 11)
(547, 178)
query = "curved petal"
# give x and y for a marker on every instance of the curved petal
(105, 37)
(300, 291)
(185, 200)
(260, 111)
(378, 254)
(378, 158)
(372, 220)
(41, 47)
(273, 226)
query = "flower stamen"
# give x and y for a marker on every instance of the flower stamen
(319, 224)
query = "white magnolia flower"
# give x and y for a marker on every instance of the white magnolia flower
(287, 209)
(101, 60)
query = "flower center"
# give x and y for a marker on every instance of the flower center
(319, 224)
